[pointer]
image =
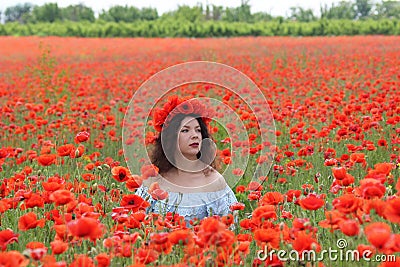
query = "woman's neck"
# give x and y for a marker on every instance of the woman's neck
(189, 174)
(189, 166)
(188, 179)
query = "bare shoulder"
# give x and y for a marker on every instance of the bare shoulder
(151, 180)
(219, 182)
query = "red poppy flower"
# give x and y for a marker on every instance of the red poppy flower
(269, 237)
(254, 186)
(349, 227)
(366, 250)
(254, 195)
(4, 206)
(391, 263)
(330, 162)
(358, 158)
(88, 177)
(120, 174)
(339, 173)
(65, 150)
(134, 182)
(50, 261)
(103, 260)
(311, 202)
(78, 152)
(227, 160)
(371, 188)
(150, 138)
(58, 247)
(244, 237)
(392, 210)
(382, 142)
(159, 117)
(146, 256)
(36, 250)
(13, 258)
(156, 192)
(300, 224)
(82, 260)
(292, 193)
(348, 180)
(46, 159)
(174, 105)
(213, 232)
(81, 137)
(184, 108)
(378, 205)
(240, 189)
(237, 206)
(329, 153)
(90, 166)
(7, 237)
(238, 172)
(265, 212)
(271, 198)
(86, 227)
(52, 186)
(384, 168)
(286, 215)
(29, 221)
(347, 203)
(62, 197)
(35, 200)
(149, 171)
(180, 236)
(159, 238)
(134, 203)
(378, 234)
(304, 241)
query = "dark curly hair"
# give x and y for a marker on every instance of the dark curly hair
(170, 133)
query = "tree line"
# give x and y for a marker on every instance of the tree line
(51, 12)
(343, 18)
(172, 28)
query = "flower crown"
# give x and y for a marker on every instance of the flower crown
(162, 116)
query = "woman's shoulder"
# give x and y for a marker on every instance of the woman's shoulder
(216, 182)
(219, 183)
(151, 180)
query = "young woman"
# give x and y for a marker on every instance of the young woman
(184, 154)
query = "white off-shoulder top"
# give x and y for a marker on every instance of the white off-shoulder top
(191, 205)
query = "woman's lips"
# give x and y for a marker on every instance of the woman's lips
(194, 145)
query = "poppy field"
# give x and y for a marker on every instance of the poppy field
(67, 195)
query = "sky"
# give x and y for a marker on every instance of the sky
(273, 7)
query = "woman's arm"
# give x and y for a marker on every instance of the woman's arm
(222, 205)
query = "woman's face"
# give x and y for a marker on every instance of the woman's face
(189, 138)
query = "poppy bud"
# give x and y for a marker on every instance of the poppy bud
(93, 251)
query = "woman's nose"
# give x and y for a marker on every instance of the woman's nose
(195, 135)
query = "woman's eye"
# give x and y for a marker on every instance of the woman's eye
(186, 130)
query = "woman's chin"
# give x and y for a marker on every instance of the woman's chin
(191, 156)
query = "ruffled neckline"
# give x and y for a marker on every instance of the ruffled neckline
(193, 193)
